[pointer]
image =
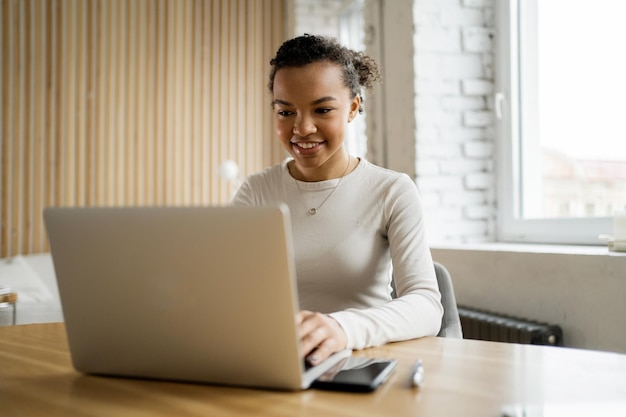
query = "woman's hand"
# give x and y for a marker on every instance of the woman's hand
(320, 336)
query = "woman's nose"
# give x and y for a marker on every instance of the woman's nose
(304, 126)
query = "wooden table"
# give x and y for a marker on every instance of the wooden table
(462, 378)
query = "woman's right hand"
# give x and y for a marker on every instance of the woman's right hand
(320, 336)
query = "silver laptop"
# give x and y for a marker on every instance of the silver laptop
(198, 294)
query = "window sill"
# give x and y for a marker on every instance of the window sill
(593, 250)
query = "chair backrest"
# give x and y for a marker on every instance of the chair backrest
(451, 321)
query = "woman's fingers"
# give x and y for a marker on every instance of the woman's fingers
(320, 336)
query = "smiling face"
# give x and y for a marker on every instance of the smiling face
(312, 109)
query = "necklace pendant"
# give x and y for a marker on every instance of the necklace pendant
(312, 211)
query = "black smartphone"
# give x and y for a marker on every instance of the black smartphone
(356, 374)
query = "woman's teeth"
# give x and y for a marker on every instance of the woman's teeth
(307, 145)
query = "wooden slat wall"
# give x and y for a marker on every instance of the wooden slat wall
(129, 102)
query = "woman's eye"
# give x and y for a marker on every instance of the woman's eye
(284, 113)
(323, 110)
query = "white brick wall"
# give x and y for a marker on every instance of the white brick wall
(454, 146)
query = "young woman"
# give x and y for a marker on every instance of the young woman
(351, 220)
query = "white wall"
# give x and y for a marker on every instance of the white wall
(582, 289)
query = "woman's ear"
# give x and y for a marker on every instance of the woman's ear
(354, 108)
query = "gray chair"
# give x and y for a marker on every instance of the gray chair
(450, 322)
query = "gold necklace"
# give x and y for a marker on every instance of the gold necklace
(313, 210)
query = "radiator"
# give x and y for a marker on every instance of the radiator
(487, 325)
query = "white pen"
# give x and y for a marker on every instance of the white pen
(417, 377)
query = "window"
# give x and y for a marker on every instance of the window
(561, 83)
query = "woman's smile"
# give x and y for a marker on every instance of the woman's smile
(306, 148)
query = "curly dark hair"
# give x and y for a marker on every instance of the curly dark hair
(359, 70)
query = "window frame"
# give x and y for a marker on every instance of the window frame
(510, 226)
